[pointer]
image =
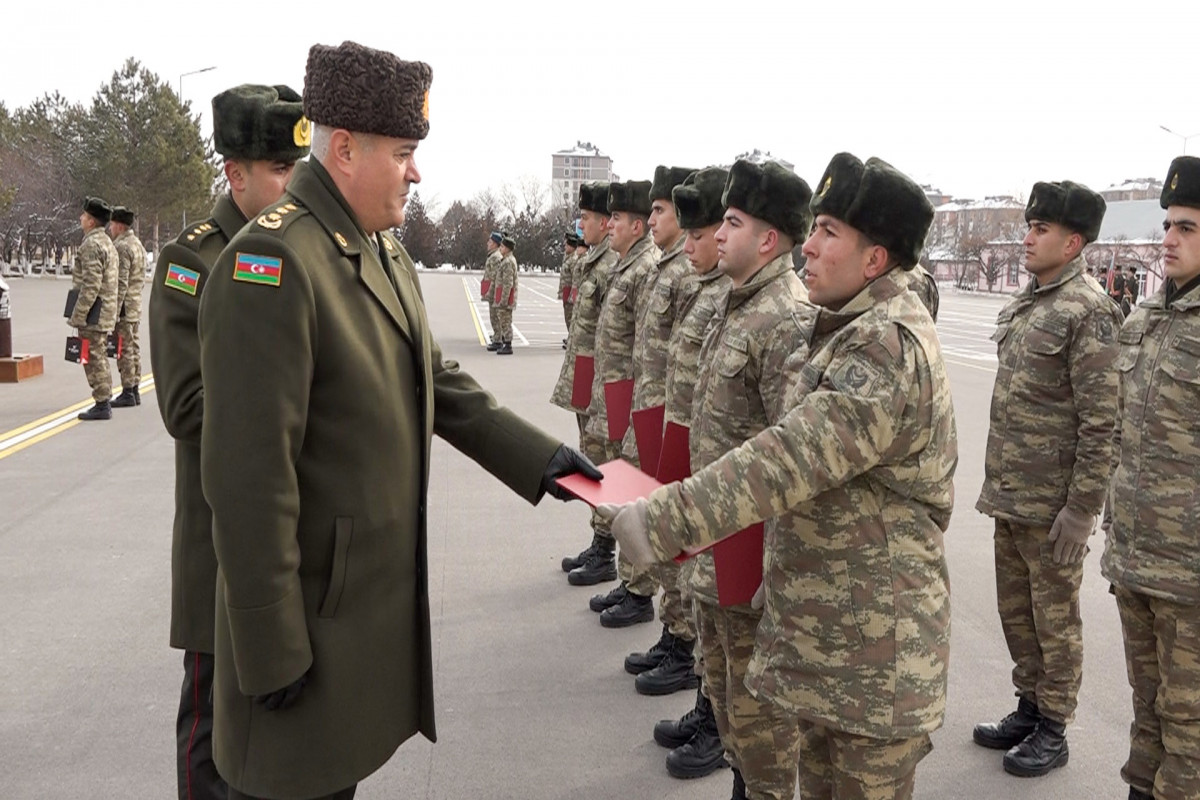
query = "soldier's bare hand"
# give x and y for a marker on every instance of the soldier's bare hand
(631, 530)
(1070, 533)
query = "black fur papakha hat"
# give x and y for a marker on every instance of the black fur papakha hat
(260, 123)
(1069, 204)
(878, 200)
(594, 197)
(98, 209)
(698, 199)
(632, 197)
(366, 90)
(666, 179)
(772, 193)
(1182, 187)
(122, 215)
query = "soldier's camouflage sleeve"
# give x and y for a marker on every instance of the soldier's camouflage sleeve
(1094, 378)
(90, 263)
(124, 266)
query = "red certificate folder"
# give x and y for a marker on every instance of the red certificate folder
(623, 483)
(738, 562)
(648, 434)
(497, 294)
(675, 458)
(618, 405)
(566, 294)
(581, 389)
(484, 286)
(574, 295)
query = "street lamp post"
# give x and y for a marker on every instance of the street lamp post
(183, 75)
(1181, 136)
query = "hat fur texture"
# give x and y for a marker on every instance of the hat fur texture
(260, 123)
(665, 180)
(1069, 204)
(594, 197)
(772, 193)
(1182, 187)
(698, 199)
(366, 90)
(632, 197)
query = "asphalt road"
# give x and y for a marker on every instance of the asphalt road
(532, 701)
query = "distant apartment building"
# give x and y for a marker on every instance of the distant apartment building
(569, 168)
(1138, 189)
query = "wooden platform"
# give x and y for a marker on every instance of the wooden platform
(20, 368)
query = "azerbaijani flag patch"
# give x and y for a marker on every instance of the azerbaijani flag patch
(266, 270)
(182, 278)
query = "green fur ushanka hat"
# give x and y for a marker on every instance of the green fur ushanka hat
(772, 193)
(122, 215)
(1182, 187)
(366, 90)
(632, 197)
(698, 199)
(97, 209)
(594, 197)
(260, 123)
(879, 201)
(666, 179)
(1069, 204)
(508, 242)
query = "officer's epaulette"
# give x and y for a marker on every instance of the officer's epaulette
(195, 235)
(277, 218)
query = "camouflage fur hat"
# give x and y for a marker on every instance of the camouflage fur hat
(260, 123)
(122, 215)
(631, 196)
(1182, 187)
(369, 91)
(698, 199)
(98, 209)
(879, 201)
(594, 197)
(1069, 204)
(772, 193)
(666, 179)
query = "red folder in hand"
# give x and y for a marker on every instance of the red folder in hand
(512, 296)
(618, 405)
(484, 286)
(498, 294)
(566, 294)
(623, 483)
(675, 457)
(648, 435)
(738, 562)
(574, 295)
(581, 389)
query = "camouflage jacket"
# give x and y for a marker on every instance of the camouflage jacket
(858, 476)
(487, 281)
(506, 280)
(591, 275)
(926, 288)
(615, 328)
(741, 384)
(1151, 546)
(700, 297)
(131, 274)
(95, 276)
(1054, 403)
(564, 278)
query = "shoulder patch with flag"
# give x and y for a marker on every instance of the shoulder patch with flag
(182, 278)
(266, 270)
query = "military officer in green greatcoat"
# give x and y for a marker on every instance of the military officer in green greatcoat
(95, 279)
(131, 274)
(311, 323)
(260, 132)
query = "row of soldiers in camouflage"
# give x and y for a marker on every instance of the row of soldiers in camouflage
(109, 271)
(498, 288)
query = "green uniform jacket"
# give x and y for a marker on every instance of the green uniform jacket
(175, 358)
(322, 390)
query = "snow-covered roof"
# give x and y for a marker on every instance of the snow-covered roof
(582, 149)
(1136, 185)
(999, 202)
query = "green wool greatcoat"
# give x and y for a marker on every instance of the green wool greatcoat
(323, 387)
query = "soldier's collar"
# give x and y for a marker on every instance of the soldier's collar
(777, 266)
(880, 290)
(309, 182)
(673, 250)
(1073, 269)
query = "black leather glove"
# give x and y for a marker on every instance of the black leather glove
(567, 461)
(282, 698)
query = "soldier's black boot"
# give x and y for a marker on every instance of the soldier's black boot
(676, 672)
(600, 602)
(702, 755)
(505, 349)
(1040, 752)
(1010, 731)
(575, 562)
(637, 663)
(101, 410)
(1138, 794)
(494, 346)
(739, 786)
(128, 397)
(672, 733)
(634, 608)
(599, 566)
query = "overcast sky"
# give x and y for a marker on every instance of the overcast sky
(975, 98)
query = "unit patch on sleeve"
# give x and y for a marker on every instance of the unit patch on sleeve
(266, 270)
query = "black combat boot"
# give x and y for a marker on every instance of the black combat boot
(128, 397)
(739, 786)
(494, 346)
(702, 755)
(600, 602)
(672, 733)
(101, 410)
(637, 663)
(575, 562)
(598, 567)
(1138, 794)
(676, 672)
(1040, 752)
(1010, 731)
(634, 608)
(505, 349)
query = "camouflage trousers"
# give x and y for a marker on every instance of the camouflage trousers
(568, 310)
(1039, 612)
(96, 370)
(1162, 657)
(503, 327)
(493, 321)
(761, 739)
(596, 449)
(835, 765)
(129, 363)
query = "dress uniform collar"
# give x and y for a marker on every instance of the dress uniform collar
(312, 185)
(228, 216)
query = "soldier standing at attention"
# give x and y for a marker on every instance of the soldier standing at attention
(260, 132)
(488, 285)
(1150, 555)
(95, 278)
(564, 280)
(505, 294)
(131, 274)
(1047, 467)
(857, 481)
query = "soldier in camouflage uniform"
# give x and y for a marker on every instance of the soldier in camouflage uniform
(131, 274)
(95, 278)
(504, 295)
(1150, 553)
(487, 286)
(925, 285)
(1048, 462)
(856, 480)
(591, 276)
(261, 132)
(564, 280)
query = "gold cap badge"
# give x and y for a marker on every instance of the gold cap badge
(1174, 181)
(425, 106)
(826, 185)
(302, 132)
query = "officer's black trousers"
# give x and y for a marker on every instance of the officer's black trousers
(344, 794)
(198, 778)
